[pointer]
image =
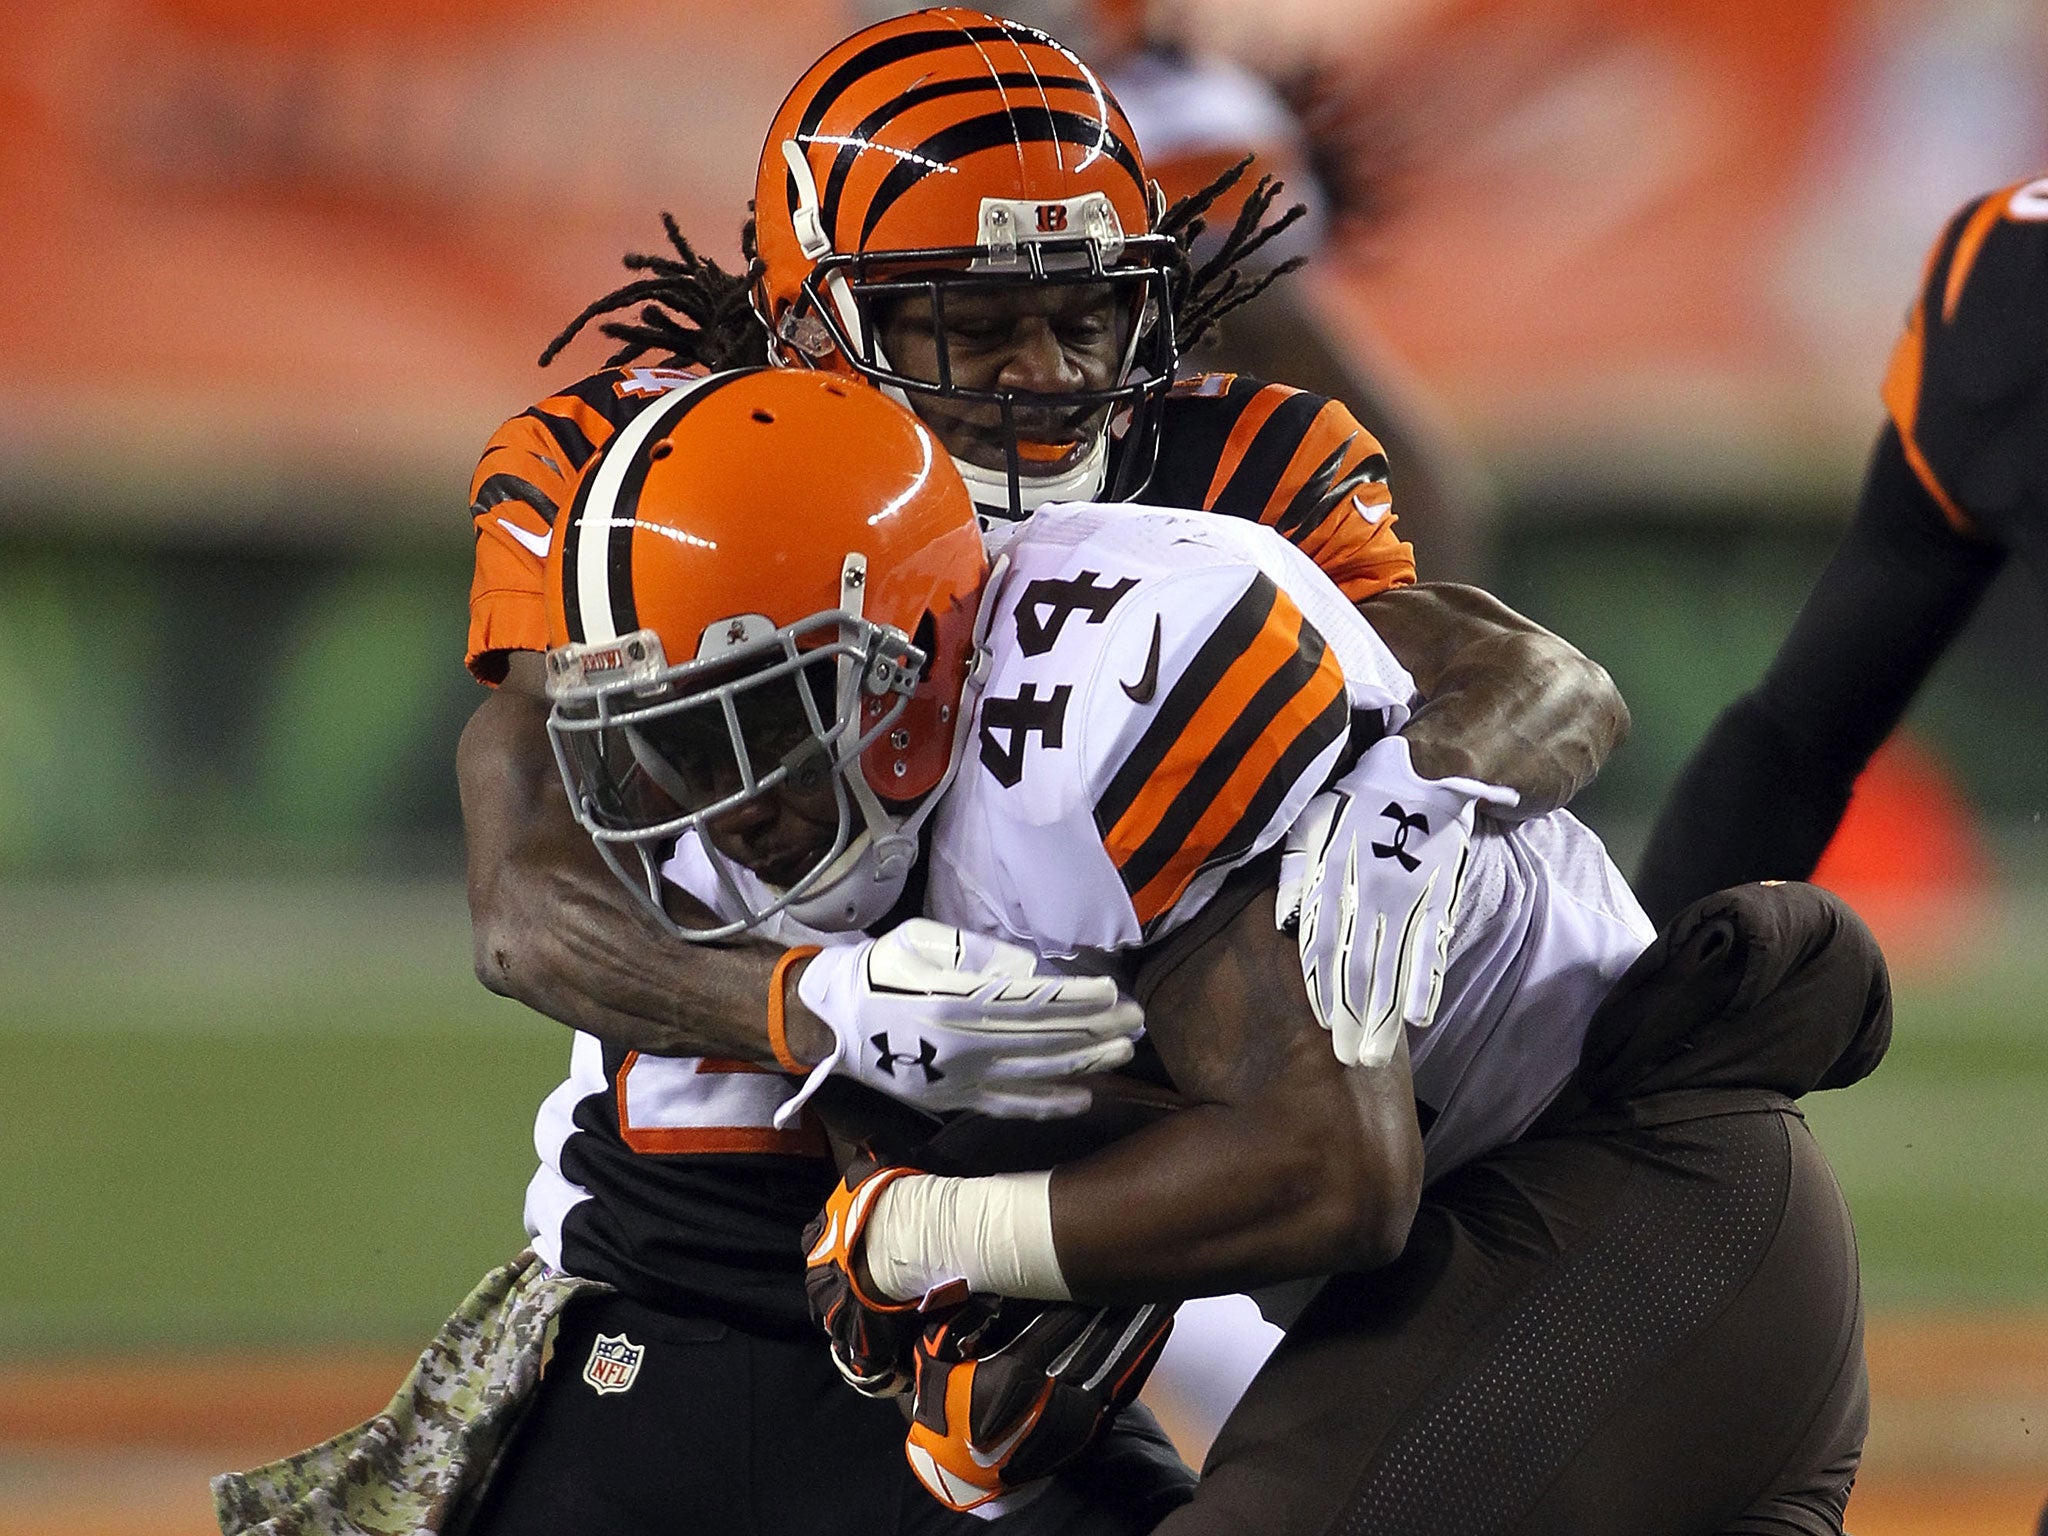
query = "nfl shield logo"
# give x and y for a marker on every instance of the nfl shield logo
(614, 1362)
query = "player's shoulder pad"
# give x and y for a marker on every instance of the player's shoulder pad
(1984, 297)
(1968, 381)
(1154, 676)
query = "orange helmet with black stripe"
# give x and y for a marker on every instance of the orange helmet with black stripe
(765, 586)
(952, 151)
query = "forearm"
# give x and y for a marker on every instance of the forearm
(1212, 1200)
(1765, 790)
(1285, 1164)
(1506, 701)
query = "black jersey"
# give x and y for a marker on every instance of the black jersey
(1968, 383)
(1297, 461)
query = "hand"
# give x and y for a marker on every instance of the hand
(949, 1020)
(872, 1337)
(1009, 1391)
(1370, 878)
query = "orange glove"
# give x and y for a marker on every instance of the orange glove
(1008, 1391)
(872, 1338)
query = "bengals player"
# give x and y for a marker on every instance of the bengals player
(1957, 485)
(1628, 1301)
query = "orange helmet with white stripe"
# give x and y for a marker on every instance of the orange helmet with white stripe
(951, 152)
(764, 590)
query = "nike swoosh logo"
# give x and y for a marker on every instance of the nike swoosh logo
(536, 543)
(1147, 684)
(1370, 514)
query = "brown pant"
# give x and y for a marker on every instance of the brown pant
(1641, 1319)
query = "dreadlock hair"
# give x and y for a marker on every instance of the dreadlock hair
(691, 308)
(1203, 295)
(697, 313)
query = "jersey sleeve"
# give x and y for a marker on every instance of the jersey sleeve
(1224, 757)
(1299, 463)
(528, 470)
(1967, 387)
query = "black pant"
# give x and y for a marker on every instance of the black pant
(724, 1433)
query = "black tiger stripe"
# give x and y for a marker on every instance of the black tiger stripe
(501, 488)
(1323, 489)
(1236, 634)
(1012, 125)
(1327, 727)
(1260, 471)
(575, 444)
(1199, 793)
(1193, 431)
(890, 50)
(896, 106)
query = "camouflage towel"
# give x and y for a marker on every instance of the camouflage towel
(403, 1472)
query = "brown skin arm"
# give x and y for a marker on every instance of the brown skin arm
(1285, 1162)
(1509, 703)
(554, 928)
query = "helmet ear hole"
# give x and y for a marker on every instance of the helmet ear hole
(927, 642)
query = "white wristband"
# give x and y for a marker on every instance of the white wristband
(995, 1233)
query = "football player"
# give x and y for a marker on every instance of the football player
(1627, 1300)
(1958, 483)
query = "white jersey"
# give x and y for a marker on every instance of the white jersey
(1164, 693)
(1132, 751)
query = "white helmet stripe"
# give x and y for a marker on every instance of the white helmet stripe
(600, 518)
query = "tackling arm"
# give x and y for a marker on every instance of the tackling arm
(1509, 703)
(556, 930)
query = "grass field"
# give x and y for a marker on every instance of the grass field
(285, 1118)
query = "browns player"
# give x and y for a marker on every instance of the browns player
(1626, 1301)
(1957, 484)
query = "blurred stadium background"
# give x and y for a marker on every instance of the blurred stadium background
(270, 273)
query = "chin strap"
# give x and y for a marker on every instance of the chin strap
(991, 488)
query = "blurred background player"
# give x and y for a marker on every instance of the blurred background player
(1957, 485)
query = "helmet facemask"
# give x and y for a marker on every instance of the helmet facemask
(776, 719)
(847, 299)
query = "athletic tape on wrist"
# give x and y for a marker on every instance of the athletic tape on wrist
(995, 1233)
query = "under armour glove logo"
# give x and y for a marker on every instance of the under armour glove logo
(886, 1060)
(1404, 823)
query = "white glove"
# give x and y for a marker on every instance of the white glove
(947, 1020)
(1370, 877)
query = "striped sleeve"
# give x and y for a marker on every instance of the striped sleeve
(1297, 462)
(528, 471)
(1233, 745)
(1967, 378)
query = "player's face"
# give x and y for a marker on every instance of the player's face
(782, 831)
(1036, 339)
